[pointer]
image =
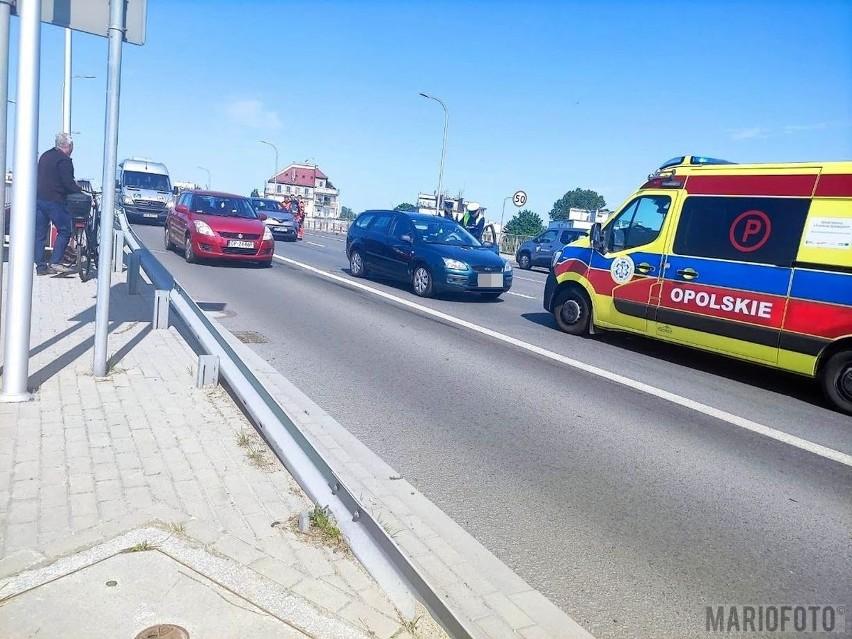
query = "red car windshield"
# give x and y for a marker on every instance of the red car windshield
(223, 206)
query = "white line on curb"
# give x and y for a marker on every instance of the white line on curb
(735, 420)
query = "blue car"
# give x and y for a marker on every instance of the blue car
(434, 254)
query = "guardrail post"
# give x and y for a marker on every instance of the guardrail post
(133, 262)
(117, 251)
(207, 373)
(161, 309)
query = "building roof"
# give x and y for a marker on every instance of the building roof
(299, 175)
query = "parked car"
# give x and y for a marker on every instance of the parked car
(434, 253)
(539, 250)
(209, 224)
(282, 223)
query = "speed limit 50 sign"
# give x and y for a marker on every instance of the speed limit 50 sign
(519, 198)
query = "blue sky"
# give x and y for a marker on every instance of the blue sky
(542, 96)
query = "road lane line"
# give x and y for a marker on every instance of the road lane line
(528, 279)
(730, 418)
(529, 297)
(315, 244)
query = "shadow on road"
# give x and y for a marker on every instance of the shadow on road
(405, 288)
(769, 379)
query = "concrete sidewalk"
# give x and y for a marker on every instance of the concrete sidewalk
(137, 499)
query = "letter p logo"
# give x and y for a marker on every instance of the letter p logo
(749, 231)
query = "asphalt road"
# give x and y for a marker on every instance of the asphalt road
(630, 512)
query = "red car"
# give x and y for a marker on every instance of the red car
(208, 224)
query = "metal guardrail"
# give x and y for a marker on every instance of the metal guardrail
(369, 541)
(508, 243)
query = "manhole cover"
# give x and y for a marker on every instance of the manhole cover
(163, 631)
(250, 337)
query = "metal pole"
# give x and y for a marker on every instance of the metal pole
(22, 231)
(276, 159)
(503, 214)
(116, 36)
(207, 186)
(66, 85)
(5, 12)
(443, 150)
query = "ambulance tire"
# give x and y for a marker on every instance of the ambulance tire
(836, 380)
(573, 312)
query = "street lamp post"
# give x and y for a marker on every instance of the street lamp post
(275, 148)
(207, 186)
(503, 214)
(443, 150)
(66, 99)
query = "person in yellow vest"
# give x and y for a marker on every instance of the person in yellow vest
(473, 220)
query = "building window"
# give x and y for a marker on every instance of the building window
(278, 188)
(288, 189)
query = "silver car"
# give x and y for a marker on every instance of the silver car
(281, 223)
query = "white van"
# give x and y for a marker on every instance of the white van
(143, 189)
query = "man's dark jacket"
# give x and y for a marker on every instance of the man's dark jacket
(55, 176)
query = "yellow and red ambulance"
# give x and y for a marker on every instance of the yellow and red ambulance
(752, 261)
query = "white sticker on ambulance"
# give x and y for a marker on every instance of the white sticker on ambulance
(829, 232)
(622, 269)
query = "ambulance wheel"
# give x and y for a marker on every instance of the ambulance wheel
(573, 312)
(836, 380)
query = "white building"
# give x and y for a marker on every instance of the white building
(426, 204)
(309, 184)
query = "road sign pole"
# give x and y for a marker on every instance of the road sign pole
(22, 232)
(116, 35)
(5, 14)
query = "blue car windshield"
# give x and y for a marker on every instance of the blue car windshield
(444, 231)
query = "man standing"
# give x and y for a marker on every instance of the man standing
(473, 220)
(55, 183)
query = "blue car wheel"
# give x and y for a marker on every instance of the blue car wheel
(421, 282)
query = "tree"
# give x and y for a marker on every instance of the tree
(346, 213)
(405, 206)
(525, 223)
(576, 199)
(255, 193)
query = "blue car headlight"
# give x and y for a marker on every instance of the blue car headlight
(454, 265)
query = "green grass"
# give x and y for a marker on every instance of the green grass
(323, 520)
(409, 626)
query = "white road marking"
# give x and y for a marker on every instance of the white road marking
(529, 297)
(315, 244)
(528, 279)
(735, 420)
